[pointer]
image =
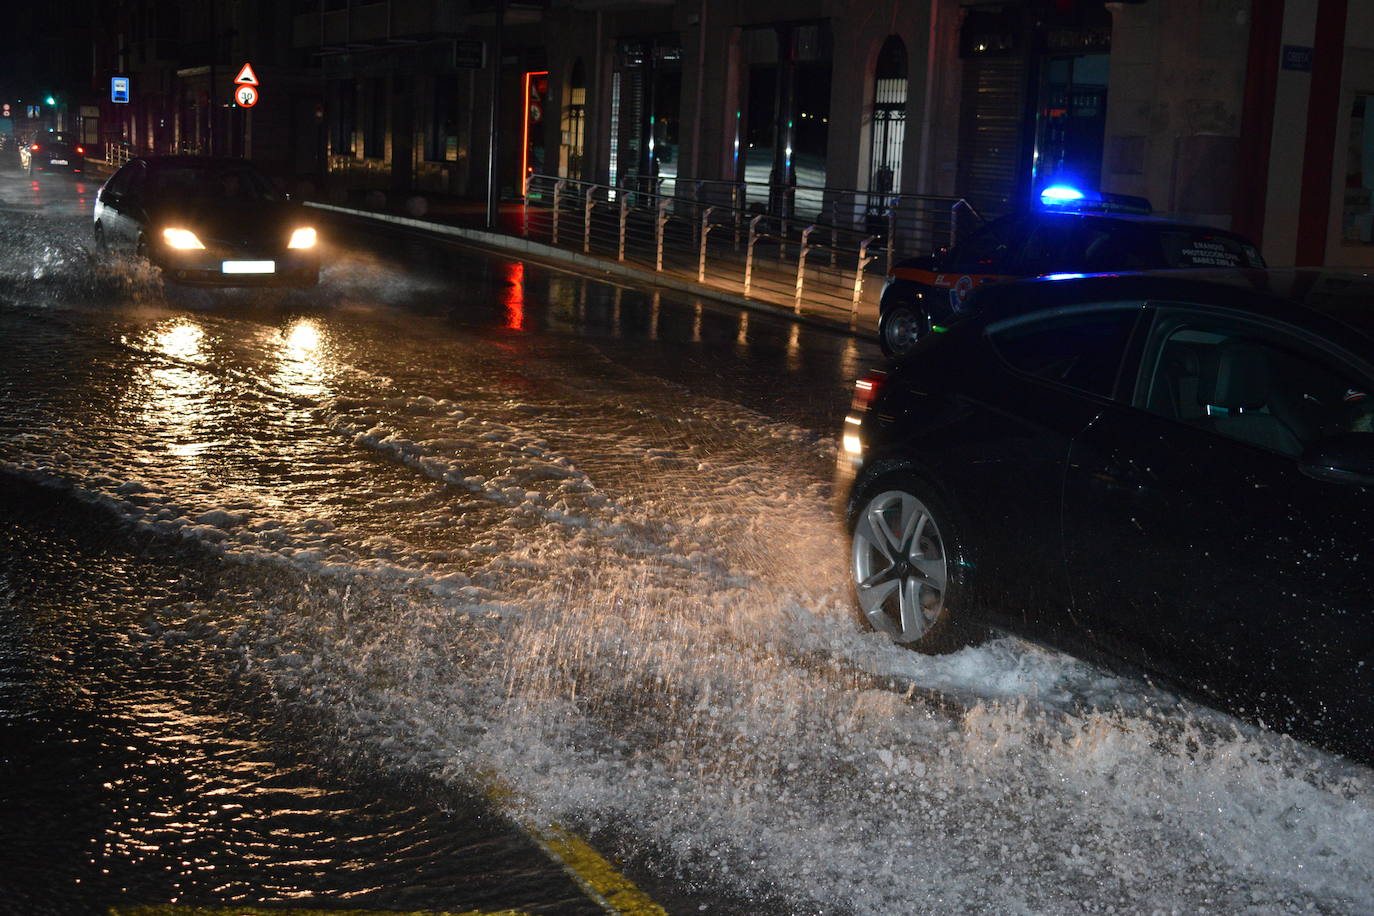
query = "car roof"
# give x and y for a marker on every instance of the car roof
(1331, 302)
(193, 161)
(1143, 220)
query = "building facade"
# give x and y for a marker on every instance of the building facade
(1251, 114)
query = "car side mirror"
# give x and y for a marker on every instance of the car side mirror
(1343, 458)
(106, 196)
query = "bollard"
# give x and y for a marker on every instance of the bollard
(557, 206)
(864, 260)
(660, 221)
(801, 267)
(624, 218)
(749, 253)
(587, 221)
(705, 231)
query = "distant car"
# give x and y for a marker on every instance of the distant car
(204, 221)
(52, 152)
(1171, 473)
(1070, 233)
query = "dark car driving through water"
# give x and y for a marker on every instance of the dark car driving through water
(210, 222)
(1070, 232)
(52, 152)
(1171, 471)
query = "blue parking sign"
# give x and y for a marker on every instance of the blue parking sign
(119, 89)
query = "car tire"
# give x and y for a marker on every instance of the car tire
(900, 327)
(907, 565)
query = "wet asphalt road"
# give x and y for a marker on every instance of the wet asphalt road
(132, 775)
(344, 598)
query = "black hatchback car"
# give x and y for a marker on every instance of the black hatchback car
(208, 222)
(1081, 236)
(52, 152)
(1172, 471)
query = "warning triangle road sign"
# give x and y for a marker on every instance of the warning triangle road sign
(246, 75)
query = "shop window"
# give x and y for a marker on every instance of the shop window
(342, 124)
(573, 126)
(645, 108)
(374, 126)
(441, 139)
(1358, 215)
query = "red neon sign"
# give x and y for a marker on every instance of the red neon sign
(536, 90)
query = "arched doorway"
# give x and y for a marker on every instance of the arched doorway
(888, 124)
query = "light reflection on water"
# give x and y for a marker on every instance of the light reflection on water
(514, 297)
(176, 395)
(302, 360)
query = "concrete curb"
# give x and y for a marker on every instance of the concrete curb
(555, 254)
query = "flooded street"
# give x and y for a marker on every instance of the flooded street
(312, 598)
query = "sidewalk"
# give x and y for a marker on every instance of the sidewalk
(524, 233)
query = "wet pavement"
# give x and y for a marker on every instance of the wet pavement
(343, 598)
(128, 778)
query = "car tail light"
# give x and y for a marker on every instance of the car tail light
(34, 148)
(866, 390)
(81, 150)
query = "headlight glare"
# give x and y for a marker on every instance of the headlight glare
(182, 239)
(303, 237)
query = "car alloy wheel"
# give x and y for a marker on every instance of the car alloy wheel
(902, 569)
(901, 327)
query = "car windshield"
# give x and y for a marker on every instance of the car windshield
(226, 182)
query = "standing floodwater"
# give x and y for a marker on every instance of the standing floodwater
(451, 520)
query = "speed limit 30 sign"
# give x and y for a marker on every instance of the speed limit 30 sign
(246, 87)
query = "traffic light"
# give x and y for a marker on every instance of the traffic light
(50, 100)
(5, 111)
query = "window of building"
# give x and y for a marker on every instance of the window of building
(889, 124)
(441, 137)
(646, 104)
(786, 116)
(1358, 215)
(374, 127)
(573, 127)
(342, 124)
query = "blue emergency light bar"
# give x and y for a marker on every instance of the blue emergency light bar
(1067, 197)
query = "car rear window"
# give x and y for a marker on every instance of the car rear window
(1182, 248)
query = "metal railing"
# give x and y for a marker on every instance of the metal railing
(907, 224)
(709, 232)
(117, 154)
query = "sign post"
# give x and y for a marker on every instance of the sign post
(246, 96)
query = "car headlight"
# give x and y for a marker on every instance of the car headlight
(303, 237)
(182, 239)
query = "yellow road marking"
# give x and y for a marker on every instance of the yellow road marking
(175, 910)
(596, 876)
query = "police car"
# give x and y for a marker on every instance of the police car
(1072, 232)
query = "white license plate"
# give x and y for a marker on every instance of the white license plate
(57, 162)
(248, 267)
